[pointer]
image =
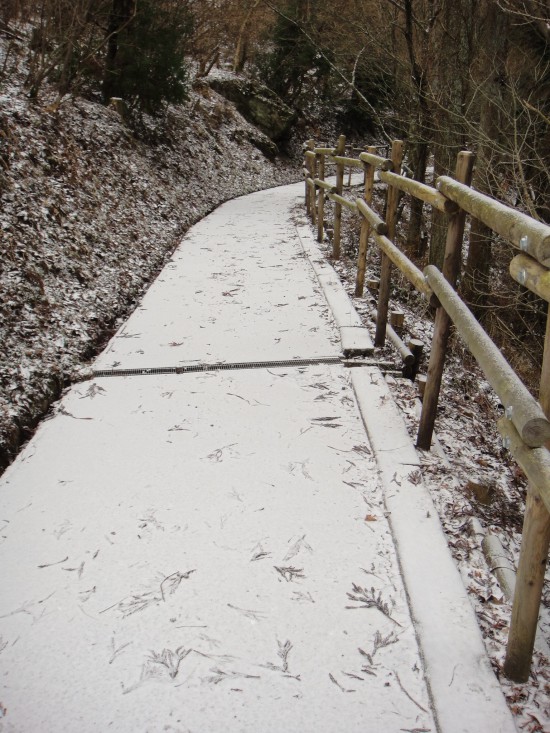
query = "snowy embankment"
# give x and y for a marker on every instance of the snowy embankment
(89, 215)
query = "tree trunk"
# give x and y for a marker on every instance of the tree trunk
(418, 155)
(453, 54)
(122, 12)
(241, 48)
(492, 63)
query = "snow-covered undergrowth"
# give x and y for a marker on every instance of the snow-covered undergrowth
(475, 484)
(89, 214)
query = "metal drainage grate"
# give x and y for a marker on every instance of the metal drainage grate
(214, 367)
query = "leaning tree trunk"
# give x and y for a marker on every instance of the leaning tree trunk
(241, 48)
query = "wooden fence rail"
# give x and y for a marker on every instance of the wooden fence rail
(526, 425)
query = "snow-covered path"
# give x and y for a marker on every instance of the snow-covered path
(211, 551)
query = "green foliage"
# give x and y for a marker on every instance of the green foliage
(355, 116)
(149, 68)
(294, 66)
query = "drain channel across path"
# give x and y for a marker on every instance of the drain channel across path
(212, 551)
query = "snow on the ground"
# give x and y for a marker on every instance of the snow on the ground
(469, 458)
(202, 559)
(89, 214)
(192, 325)
(208, 550)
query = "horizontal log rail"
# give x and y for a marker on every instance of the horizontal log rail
(323, 184)
(408, 268)
(521, 407)
(350, 162)
(525, 427)
(407, 357)
(420, 191)
(342, 201)
(377, 161)
(376, 223)
(521, 230)
(529, 273)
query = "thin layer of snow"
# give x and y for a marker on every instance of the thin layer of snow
(221, 297)
(222, 533)
(456, 661)
(209, 550)
(188, 531)
(89, 215)
(354, 336)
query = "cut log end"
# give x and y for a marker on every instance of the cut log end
(536, 432)
(544, 252)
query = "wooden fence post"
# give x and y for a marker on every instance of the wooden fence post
(417, 347)
(451, 270)
(313, 191)
(385, 263)
(340, 150)
(533, 557)
(535, 541)
(365, 227)
(321, 201)
(309, 145)
(544, 390)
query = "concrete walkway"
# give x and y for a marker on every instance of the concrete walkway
(228, 550)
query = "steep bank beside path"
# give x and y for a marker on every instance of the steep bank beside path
(89, 213)
(211, 550)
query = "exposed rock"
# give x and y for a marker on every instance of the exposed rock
(257, 104)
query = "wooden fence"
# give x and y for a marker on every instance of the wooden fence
(525, 427)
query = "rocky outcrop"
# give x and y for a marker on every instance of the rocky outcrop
(257, 104)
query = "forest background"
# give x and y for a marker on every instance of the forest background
(443, 75)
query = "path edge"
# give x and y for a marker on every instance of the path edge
(354, 336)
(466, 695)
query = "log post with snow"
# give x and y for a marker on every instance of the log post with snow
(365, 226)
(417, 348)
(385, 266)
(451, 270)
(321, 197)
(307, 173)
(535, 539)
(336, 237)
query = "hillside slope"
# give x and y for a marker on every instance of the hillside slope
(89, 215)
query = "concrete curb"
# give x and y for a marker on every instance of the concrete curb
(465, 693)
(354, 337)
